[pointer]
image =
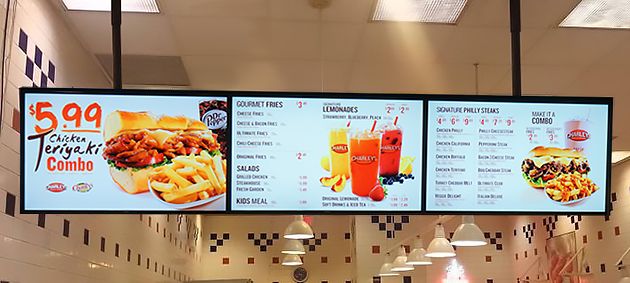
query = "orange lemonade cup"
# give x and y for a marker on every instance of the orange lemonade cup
(365, 151)
(339, 152)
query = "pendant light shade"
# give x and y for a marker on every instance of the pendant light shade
(400, 262)
(293, 247)
(386, 268)
(291, 260)
(440, 246)
(298, 229)
(468, 234)
(418, 255)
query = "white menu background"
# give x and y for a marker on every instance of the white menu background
(475, 151)
(284, 139)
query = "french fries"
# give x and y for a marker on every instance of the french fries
(570, 187)
(189, 178)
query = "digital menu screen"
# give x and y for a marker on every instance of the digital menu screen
(332, 154)
(517, 157)
(99, 151)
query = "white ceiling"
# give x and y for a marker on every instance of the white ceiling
(288, 45)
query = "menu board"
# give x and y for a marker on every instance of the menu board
(517, 157)
(333, 154)
(98, 151)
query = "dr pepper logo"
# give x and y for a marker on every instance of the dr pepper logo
(578, 135)
(56, 187)
(339, 148)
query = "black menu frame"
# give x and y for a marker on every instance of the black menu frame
(425, 98)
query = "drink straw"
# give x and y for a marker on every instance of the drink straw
(395, 120)
(373, 126)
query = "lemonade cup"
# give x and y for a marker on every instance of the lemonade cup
(365, 151)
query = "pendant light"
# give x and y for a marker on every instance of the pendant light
(625, 270)
(625, 275)
(468, 234)
(293, 247)
(291, 260)
(440, 246)
(400, 262)
(299, 229)
(386, 268)
(417, 255)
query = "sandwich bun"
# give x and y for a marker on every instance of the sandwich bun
(118, 122)
(554, 152)
(131, 181)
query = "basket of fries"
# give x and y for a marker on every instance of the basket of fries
(189, 181)
(570, 188)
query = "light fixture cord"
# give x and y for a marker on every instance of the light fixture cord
(476, 78)
(321, 48)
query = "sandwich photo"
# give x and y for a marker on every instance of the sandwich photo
(544, 164)
(137, 143)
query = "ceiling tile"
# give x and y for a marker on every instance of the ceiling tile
(476, 45)
(540, 80)
(231, 73)
(543, 80)
(403, 42)
(209, 36)
(618, 55)
(571, 47)
(600, 81)
(292, 10)
(545, 13)
(377, 76)
(95, 30)
(348, 11)
(341, 40)
(485, 13)
(293, 40)
(215, 8)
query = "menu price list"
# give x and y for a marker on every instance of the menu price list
(468, 137)
(475, 152)
(300, 154)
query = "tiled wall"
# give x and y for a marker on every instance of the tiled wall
(377, 234)
(248, 247)
(73, 248)
(604, 238)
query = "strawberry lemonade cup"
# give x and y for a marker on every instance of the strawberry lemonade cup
(365, 151)
(391, 145)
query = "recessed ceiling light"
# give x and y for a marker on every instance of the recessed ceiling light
(619, 156)
(422, 11)
(610, 14)
(138, 6)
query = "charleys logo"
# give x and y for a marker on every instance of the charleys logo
(82, 187)
(364, 159)
(56, 187)
(339, 148)
(215, 119)
(390, 148)
(578, 135)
